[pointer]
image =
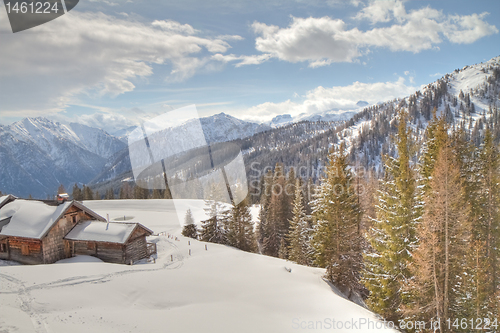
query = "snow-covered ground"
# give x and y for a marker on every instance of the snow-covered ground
(220, 289)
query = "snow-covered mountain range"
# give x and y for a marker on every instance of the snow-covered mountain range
(329, 115)
(37, 154)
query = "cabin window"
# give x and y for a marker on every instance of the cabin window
(73, 218)
(25, 250)
(3, 247)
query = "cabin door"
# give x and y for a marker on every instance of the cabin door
(68, 253)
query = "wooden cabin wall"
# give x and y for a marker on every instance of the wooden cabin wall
(108, 252)
(136, 249)
(85, 248)
(25, 250)
(111, 252)
(54, 246)
(4, 248)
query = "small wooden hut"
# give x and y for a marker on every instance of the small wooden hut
(116, 242)
(34, 232)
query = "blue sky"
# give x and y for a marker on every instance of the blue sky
(113, 63)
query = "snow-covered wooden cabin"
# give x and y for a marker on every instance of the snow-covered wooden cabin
(33, 232)
(117, 242)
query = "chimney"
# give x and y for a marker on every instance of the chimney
(62, 197)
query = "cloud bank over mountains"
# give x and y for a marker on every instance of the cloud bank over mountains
(86, 58)
(322, 41)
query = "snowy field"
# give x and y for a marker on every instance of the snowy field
(220, 289)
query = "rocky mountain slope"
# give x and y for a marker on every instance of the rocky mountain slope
(37, 154)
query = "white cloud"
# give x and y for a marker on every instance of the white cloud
(109, 3)
(111, 120)
(175, 27)
(339, 98)
(318, 40)
(467, 29)
(230, 37)
(242, 60)
(96, 54)
(382, 11)
(322, 41)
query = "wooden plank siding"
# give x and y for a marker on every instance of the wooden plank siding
(25, 250)
(108, 252)
(54, 246)
(84, 248)
(136, 249)
(4, 247)
(111, 252)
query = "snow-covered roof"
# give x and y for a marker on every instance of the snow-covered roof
(30, 218)
(97, 231)
(4, 199)
(33, 219)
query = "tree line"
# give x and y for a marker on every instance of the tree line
(419, 244)
(434, 240)
(127, 191)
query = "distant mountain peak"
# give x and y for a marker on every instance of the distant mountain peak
(281, 120)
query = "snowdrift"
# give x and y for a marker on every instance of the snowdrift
(215, 289)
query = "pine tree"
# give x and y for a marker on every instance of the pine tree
(240, 227)
(472, 296)
(126, 191)
(436, 136)
(61, 189)
(110, 195)
(290, 188)
(189, 229)
(140, 192)
(486, 229)
(265, 200)
(166, 193)
(298, 237)
(87, 193)
(276, 218)
(77, 193)
(212, 229)
(392, 233)
(336, 216)
(156, 194)
(282, 252)
(439, 260)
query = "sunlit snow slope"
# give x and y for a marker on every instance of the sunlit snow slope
(220, 289)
